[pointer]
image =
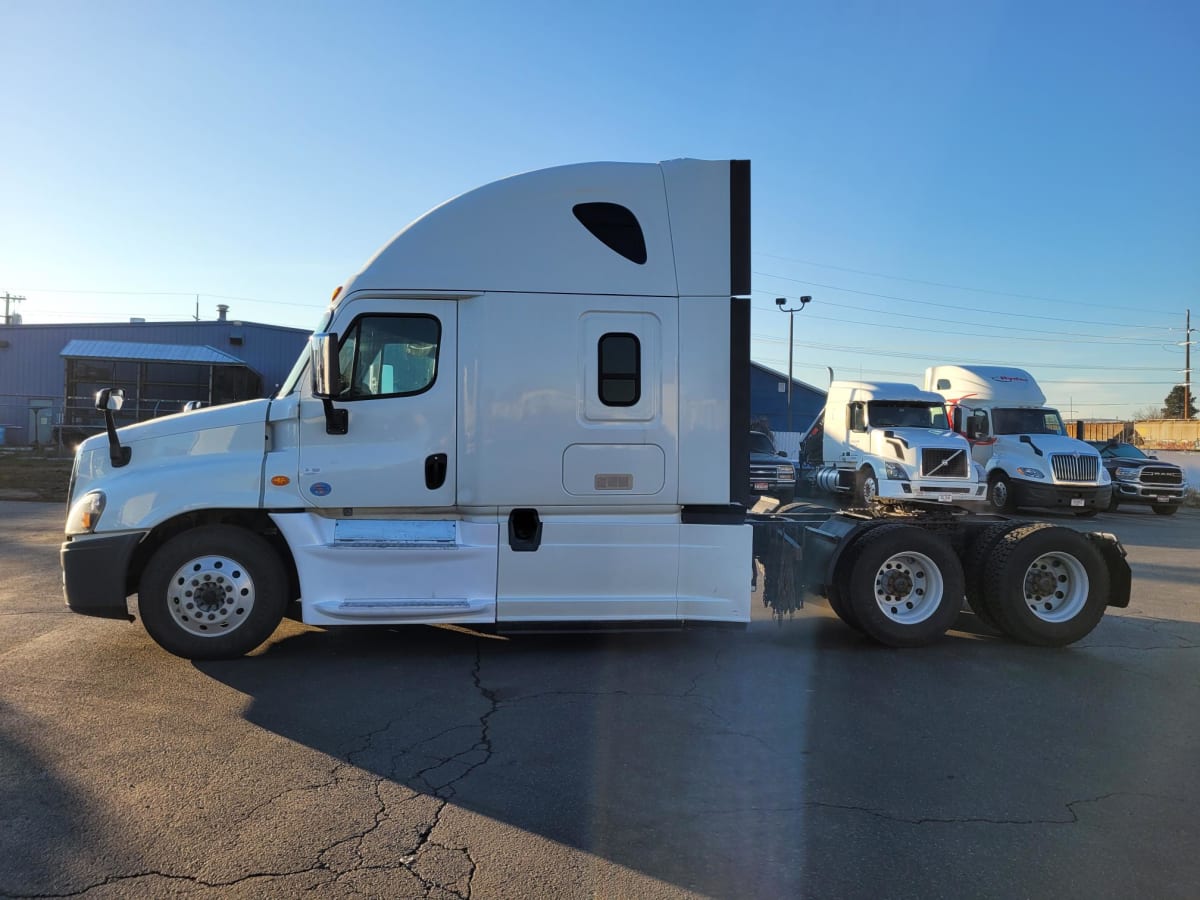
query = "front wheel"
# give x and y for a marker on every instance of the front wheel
(1164, 510)
(214, 592)
(866, 487)
(1001, 495)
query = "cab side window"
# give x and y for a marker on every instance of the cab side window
(389, 356)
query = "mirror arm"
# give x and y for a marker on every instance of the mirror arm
(118, 455)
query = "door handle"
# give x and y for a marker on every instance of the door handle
(435, 470)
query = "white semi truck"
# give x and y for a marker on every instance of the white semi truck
(529, 410)
(1028, 456)
(891, 442)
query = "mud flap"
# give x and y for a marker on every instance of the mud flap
(1119, 575)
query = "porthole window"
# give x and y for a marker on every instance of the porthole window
(620, 360)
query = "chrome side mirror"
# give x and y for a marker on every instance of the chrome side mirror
(323, 359)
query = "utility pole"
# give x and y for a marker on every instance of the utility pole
(1187, 365)
(10, 300)
(779, 302)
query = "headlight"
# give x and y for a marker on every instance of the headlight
(1127, 474)
(1030, 472)
(895, 471)
(786, 473)
(85, 514)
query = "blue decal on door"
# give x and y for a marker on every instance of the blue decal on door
(319, 489)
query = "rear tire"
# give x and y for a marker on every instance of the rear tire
(905, 585)
(1164, 510)
(1046, 585)
(214, 592)
(975, 562)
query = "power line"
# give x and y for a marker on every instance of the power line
(1058, 339)
(957, 308)
(867, 351)
(188, 294)
(957, 287)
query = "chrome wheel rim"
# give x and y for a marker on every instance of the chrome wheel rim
(210, 596)
(1000, 495)
(869, 490)
(908, 588)
(1056, 587)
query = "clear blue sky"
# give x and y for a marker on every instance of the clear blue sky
(1044, 155)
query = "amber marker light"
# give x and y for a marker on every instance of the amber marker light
(337, 290)
(280, 480)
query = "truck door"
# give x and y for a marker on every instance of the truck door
(398, 361)
(857, 433)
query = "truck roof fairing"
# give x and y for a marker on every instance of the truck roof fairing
(998, 384)
(894, 391)
(556, 230)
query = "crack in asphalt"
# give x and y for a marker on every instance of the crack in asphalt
(703, 701)
(937, 820)
(410, 862)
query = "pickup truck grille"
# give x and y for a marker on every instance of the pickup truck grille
(1069, 467)
(1161, 475)
(764, 473)
(938, 462)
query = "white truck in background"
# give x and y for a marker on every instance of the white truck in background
(1023, 445)
(891, 442)
(529, 411)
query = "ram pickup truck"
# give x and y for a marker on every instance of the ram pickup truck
(1138, 478)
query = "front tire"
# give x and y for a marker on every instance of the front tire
(1164, 510)
(905, 585)
(1046, 585)
(866, 487)
(1001, 495)
(214, 592)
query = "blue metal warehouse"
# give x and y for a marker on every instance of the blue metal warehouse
(768, 400)
(49, 372)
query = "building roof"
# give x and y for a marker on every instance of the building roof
(175, 353)
(783, 377)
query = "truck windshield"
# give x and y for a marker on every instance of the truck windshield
(906, 414)
(1027, 421)
(760, 443)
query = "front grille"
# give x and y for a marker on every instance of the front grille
(938, 462)
(1161, 475)
(1071, 467)
(764, 473)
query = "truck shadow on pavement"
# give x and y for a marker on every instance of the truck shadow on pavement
(786, 761)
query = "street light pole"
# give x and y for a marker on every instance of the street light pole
(779, 302)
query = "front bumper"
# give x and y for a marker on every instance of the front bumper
(1056, 495)
(94, 574)
(1158, 495)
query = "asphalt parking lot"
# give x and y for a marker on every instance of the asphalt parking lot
(790, 760)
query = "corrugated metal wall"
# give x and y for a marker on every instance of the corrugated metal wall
(32, 372)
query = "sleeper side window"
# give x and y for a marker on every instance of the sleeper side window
(620, 366)
(389, 356)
